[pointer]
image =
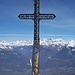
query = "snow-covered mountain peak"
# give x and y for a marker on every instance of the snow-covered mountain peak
(47, 42)
(23, 43)
(10, 45)
(52, 41)
(71, 43)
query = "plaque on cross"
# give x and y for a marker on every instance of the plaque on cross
(36, 16)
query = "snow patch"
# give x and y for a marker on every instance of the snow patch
(49, 57)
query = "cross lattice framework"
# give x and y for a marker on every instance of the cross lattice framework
(36, 16)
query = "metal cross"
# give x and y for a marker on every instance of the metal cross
(36, 16)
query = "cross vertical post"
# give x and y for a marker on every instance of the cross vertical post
(36, 16)
(36, 44)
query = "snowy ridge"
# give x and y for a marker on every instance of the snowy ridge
(53, 42)
(46, 42)
(10, 45)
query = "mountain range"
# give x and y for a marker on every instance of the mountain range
(57, 56)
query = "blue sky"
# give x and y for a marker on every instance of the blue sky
(12, 28)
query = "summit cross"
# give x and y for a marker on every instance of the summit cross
(36, 16)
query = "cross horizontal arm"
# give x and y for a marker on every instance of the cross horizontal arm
(46, 16)
(40, 17)
(26, 16)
